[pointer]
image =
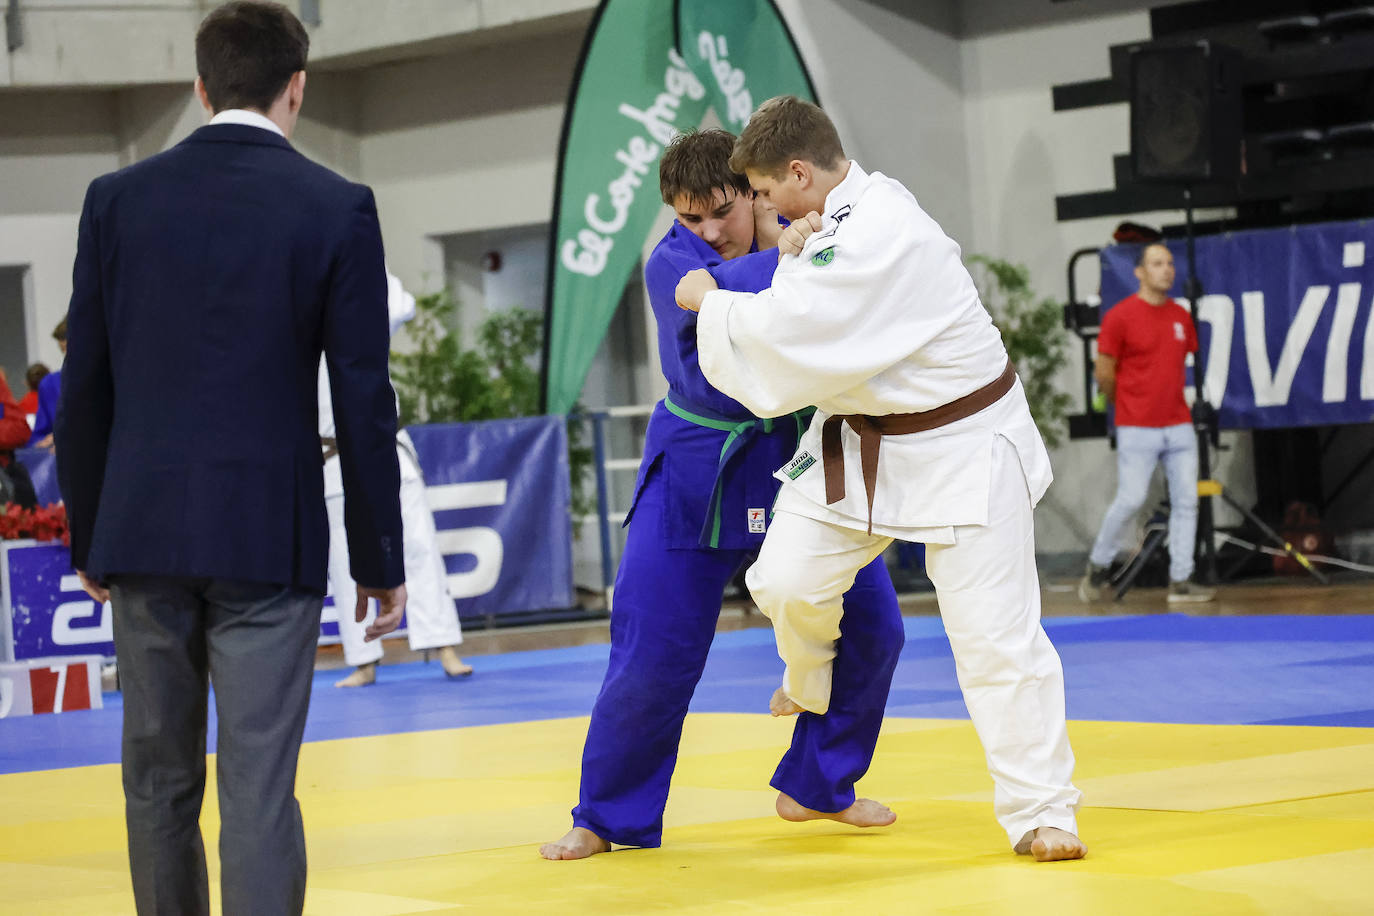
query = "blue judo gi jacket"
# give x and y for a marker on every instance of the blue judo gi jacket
(716, 459)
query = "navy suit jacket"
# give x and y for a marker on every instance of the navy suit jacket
(208, 280)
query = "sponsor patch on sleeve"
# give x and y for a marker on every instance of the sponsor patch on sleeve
(824, 257)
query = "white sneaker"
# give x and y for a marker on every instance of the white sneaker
(1090, 586)
(1190, 593)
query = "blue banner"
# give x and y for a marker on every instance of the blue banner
(501, 500)
(48, 613)
(500, 495)
(1286, 327)
(42, 468)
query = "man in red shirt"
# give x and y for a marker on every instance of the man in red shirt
(1141, 350)
(14, 432)
(14, 428)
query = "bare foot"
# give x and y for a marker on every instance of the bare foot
(1050, 844)
(782, 705)
(865, 812)
(577, 843)
(362, 676)
(454, 666)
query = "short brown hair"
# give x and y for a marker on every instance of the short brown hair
(786, 128)
(247, 51)
(696, 163)
(1145, 249)
(60, 332)
(35, 374)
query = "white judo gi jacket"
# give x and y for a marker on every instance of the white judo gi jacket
(400, 306)
(876, 316)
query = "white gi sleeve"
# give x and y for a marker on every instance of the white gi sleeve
(845, 310)
(400, 305)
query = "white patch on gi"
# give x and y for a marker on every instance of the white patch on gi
(798, 465)
(758, 521)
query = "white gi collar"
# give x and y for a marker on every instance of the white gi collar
(845, 194)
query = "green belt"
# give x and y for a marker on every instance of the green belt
(741, 431)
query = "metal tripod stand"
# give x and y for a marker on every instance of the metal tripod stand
(1157, 535)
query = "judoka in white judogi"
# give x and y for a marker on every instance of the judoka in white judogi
(432, 619)
(877, 316)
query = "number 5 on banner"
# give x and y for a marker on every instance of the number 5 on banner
(481, 543)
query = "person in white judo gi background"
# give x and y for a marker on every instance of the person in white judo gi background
(432, 618)
(873, 318)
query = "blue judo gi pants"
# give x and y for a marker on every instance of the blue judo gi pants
(667, 602)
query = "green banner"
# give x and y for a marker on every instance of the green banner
(649, 70)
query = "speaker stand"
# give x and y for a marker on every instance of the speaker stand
(1204, 414)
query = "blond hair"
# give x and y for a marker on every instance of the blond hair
(786, 128)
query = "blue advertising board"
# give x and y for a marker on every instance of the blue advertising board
(500, 495)
(49, 615)
(1286, 327)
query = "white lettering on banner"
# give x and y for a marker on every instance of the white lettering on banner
(1220, 313)
(473, 495)
(1367, 367)
(61, 692)
(1338, 344)
(1272, 387)
(481, 543)
(1273, 384)
(730, 79)
(484, 545)
(1352, 254)
(587, 254)
(590, 260)
(64, 634)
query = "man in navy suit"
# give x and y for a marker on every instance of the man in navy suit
(208, 280)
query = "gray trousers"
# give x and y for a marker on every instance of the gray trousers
(256, 644)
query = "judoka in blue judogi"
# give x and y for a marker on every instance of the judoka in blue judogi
(702, 499)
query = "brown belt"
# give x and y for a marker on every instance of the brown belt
(330, 446)
(872, 429)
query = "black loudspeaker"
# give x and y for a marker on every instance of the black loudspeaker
(1185, 113)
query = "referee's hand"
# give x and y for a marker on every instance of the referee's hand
(391, 604)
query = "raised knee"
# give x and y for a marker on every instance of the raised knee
(764, 584)
(795, 590)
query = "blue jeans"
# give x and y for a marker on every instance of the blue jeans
(1138, 450)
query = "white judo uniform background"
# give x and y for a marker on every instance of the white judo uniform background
(431, 616)
(878, 316)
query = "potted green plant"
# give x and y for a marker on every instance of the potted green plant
(1033, 332)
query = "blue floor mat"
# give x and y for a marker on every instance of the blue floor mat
(1306, 670)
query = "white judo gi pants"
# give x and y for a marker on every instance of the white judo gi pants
(431, 618)
(989, 596)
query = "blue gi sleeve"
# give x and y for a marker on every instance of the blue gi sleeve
(751, 273)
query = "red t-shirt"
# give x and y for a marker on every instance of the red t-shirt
(12, 421)
(1149, 343)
